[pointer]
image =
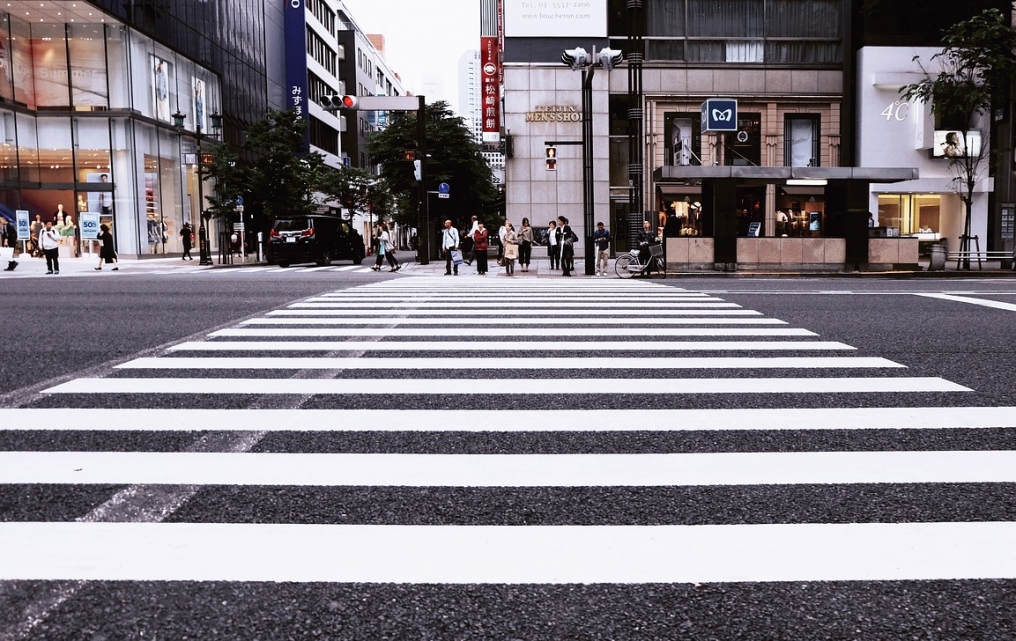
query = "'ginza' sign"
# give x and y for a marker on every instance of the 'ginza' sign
(554, 113)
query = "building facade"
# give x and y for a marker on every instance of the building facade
(790, 183)
(88, 95)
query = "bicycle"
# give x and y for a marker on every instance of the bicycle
(627, 265)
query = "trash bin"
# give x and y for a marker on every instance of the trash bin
(937, 264)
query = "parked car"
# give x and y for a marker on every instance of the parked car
(317, 238)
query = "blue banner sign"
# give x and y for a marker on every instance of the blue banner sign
(296, 61)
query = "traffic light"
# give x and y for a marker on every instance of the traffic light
(551, 158)
(610, 58)
(334, 103)
(576, 58)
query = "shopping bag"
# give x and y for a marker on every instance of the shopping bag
(456, 257)
(6, 253)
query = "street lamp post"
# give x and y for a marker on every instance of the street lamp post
(579, 60)
(203, 245)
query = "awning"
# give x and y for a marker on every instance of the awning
(679, 190)
(792, 190)
(697, 173)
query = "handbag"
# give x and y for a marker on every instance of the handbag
(456, 257)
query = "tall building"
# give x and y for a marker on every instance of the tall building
(469, 93)
(88, 95)
(363, 71)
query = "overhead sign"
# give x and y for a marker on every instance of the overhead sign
(295, 20)
(23, 223)
(490, 89)
(534, 19)
(719, 114)
(89, 225)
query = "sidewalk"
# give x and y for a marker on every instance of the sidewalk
(86, 265)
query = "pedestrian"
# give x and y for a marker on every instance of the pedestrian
(49, 240)
(511, 249)
(525, 236)
(449, 244)
(601, 237)
(469, 251)
(568, 240)
(553, 247)
(107, 253)
(9, 240)
(36, 229)
(385, 242)
(500, 237)
(379, 248)
(480, 244)
(187, 236)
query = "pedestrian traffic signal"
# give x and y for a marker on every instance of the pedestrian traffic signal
(551, 158)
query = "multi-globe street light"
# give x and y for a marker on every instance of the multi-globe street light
(579, 60)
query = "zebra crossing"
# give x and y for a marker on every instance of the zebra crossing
(506, 397)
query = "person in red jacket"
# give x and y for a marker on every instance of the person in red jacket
(480, 248)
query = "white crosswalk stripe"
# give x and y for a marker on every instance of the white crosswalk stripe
(499, 388)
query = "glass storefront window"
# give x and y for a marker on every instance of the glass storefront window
(119, 79)
(56, 158)
(681, 139)
(6, 68)
(912, 214)
(800, 211)
(49, 55)
(87, 47)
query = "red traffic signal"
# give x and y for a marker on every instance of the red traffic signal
(349, 102)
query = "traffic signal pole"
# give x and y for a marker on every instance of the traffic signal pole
(423, 244)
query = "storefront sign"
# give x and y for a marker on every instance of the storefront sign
(24, 225)
(490, 88)
(554, 113)
(89, 225)
(555, 18)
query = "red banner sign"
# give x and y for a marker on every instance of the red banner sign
(490, 88)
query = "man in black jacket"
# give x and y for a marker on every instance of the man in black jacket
(10, 239)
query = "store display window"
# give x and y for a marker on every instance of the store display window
(800, 212)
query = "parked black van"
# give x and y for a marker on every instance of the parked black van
(318, 238)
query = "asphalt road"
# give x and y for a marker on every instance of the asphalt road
(63, 331)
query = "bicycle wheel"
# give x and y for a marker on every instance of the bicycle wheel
(622, 266)
(661, 267)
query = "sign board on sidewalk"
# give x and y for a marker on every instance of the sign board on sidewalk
(89, 225)
(753, 229)
(23, 224)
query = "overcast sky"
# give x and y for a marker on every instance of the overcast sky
(423, 36)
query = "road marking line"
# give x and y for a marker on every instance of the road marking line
(490, 347)
(654, 321)
(842, 362)
(398, 313)
(501, 470)
(1009, 307)
(390, 332)
(323, 303)
(608, 386)
(437, 421)
(507, 554)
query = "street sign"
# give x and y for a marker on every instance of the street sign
(239, 208)
(239, 201)
(719, 114)
(443, 190)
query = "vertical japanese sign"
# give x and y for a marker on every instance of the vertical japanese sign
(296, 60)
(490, 87)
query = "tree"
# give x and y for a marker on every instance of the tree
(976, 67)
(283, 177)
(230, 181)
(453, 157)
(349, 186)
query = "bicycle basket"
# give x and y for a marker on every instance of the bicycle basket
(656, 250)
